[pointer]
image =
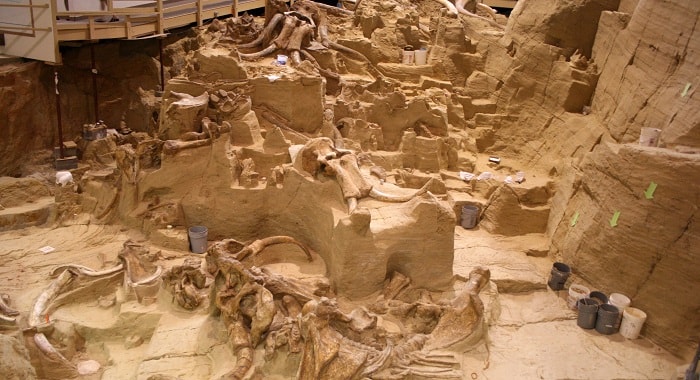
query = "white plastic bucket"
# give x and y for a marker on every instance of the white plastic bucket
(649, 136)
(576, 292)
(421, 56)
(198, 239)
(408, 57)
(621, 301)
(632, 321)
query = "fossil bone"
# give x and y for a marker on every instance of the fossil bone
(55, 357)
(38, 312)
(320, 156)
(5, 309)
(81, 270)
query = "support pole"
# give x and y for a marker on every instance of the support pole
(58, 114)
(691, 372)
(94, 83)
(162, 66)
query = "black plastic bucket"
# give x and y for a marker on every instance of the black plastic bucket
(198, 239)
(558, 276)
(470, 216)
(600, 297)
(607, 319)
(587, 313)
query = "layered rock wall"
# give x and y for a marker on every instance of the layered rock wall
(651, 254)
(646, 61)
(646, 65)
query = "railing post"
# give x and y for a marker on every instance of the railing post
(200, 8)
(162, 67)
(91, 27)
(94, 82)
(160, 16)
(58, 114)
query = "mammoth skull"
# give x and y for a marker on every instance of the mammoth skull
(320, 156)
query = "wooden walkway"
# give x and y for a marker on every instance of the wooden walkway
(35, 28)
(148, 18)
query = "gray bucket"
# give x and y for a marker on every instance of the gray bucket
(587, 313)
(470, 216)
(558, 276)
(600, 297)
(198, 239)
(607, 319)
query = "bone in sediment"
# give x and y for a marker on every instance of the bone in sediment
(81, 270)
(47, 296)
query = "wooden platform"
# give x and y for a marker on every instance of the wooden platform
(34, 28)
(148, 18)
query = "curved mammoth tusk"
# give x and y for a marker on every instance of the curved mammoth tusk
(50, 351)
(5, 309)
(147, 280)
(259, 245)
(81, 270)
(268, 50)
(48, 295)
(380, 196)
(7, 321)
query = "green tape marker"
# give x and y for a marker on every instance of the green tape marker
(615, 217)
(685, 89)
(649, 193)
(574, 219)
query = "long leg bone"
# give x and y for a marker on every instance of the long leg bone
(378, 195)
